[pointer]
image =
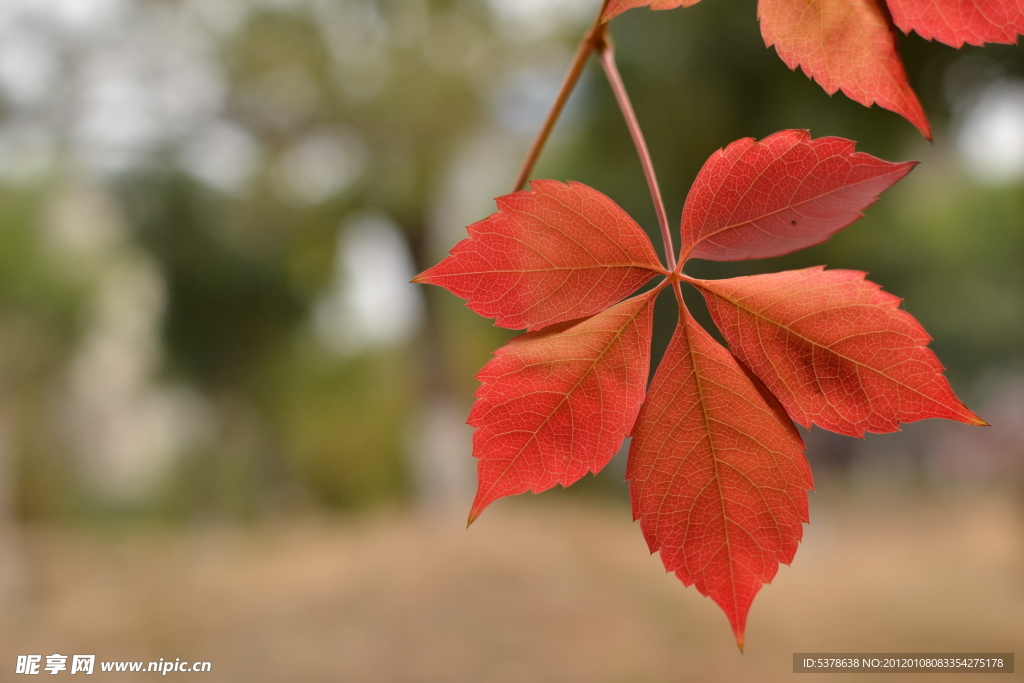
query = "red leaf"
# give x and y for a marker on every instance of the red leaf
(717, 480)
(784, 193)
(717, 476)
(850, 45)
(835, 349)
(955, 22)
(557, 403)
(554, 253)
(617, 7)
(844, 45)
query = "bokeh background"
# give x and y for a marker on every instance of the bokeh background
(231, 430)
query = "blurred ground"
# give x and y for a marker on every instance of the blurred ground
(539, 589)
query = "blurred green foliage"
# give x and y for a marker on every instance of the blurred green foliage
(414, 81)
(38, 305)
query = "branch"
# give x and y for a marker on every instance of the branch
(592, 40)
(607, 53)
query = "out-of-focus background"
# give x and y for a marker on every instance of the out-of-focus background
(231, 430)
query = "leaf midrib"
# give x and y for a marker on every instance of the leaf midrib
(714, 457)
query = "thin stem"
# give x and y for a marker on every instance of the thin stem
(683, 277)
(592, 39)
(678, 291)
(607, 53)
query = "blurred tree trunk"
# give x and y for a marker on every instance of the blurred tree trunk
(440, 445)
(11, 572)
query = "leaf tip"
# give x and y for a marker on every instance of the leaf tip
(426, 277)
(479, 505)
(739, 627)
(916, 116)
(903, 168)
(972, 418)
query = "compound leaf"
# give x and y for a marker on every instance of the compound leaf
(716, 469)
